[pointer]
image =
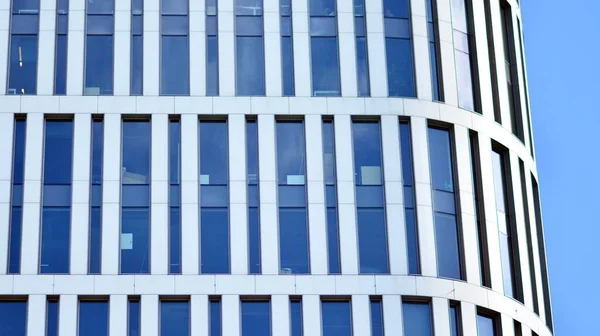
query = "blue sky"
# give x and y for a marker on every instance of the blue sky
(562, 45)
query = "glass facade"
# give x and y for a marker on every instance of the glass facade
(287, 48)
(417, 318)
(137, 47)
(399, 49)
(324, 49)
(174, 196)
(16, 215)
(410, 216)
(60, 62)
(253, 197)
(256, 318)
(23, 53)
(174, 44)
(95, 242)
(250, 50)
(13, 318)
(93, 318)
(212, 48)
(174, 318)
(336, 318)
(333, 235)
(99, 43)
(464, 54)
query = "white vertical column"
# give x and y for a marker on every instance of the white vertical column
(149, 315)
(301, 38)
(272, 48)
(36, 312)
(345, 192)
(197, 48)
(392, 315)
(30, 241)
(4, 43)
(111, 190)
(268, 195)
(280, 315)
(151, 72)
(76, 47)
(117, 312)
(46, 43)
(465, 184)
(426, 229)
(200, 315)
(316, 195)
(80, 208)
(190, 257)
(421, 48)
(441, 316)
(394, 198)
(347, 48)
(159, 234)
(7, 126)
(122, 45)
(376, 49)
(508, 325)
(446, 45)
(468, 314)
(238, 207)
(311, 314)
(226, 48)
(361, 315)
(230, 312)
(68, 316)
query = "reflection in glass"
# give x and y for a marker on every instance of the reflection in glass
(417, 319)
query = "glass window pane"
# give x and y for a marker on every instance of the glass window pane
(175, 241)
(366, 138)
(13, 318)
(507, 267)
(454, 324)
(406, 152)
(25, 24)
(212, 26)
(56, 195)
(292, 196)
(447, 248)
(135, 240)
(137, 5)
(362, 67)
(459, 15)
(137, 64)
(256, 318)
(14, 266)
(323, 26)
(62, 24)
(52, 318)
(249, 26)
(254, 240)
(174, 151)
(372, 241)
(441, 160)
(174, 25)
(23, 64)
(291, 153)
(497, 169)
(485, 326)
(401, 82)
(25, 6)
(99, 65)
(285, 7)
(93, 318)
(465, 81)
(174, 70)
(174, 318)
(325, 66)
(134, 318)
(56, 227)
(212, 66)
(174, 7)
(62, 6)
(213, 153)
(293, 241)
(286, 26)
(336, 318)
(136, 152)
(376, 318)
(100, 24)
(322, 7)
(215, 318)
(214, 240)
(412, 241)
(250, 66)
(58, 148)
(19, 151)
(95, 240)
(60, 72)
(435, 79)
(252, 151)
(100, 6)
(296, 318)
(396, 8)
(248, 7)
(397, 28)
(333, 244)
(287, 66)
(97, 149)
(417, 319)
(329, 152)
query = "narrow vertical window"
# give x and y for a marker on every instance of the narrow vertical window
(370, 204)
(376, 317)
(417, 318)
(52, 317)
(362, 57)
(492, 59)
(336, 318)
(135, 197)
(22, 69)
(174, 53)
(174, 196)
(484, 258)
(434, 47)
(446, 227)
(293, 215)
(174, 318)
(253, 197)
(324, 49)
(214, 197)
(506, 226)
(287, 48)
(455, 326)
(487, 325)
(527, 112)
(296, 317)
(256, 318)
(412, 236)
(518, 328)
(250, 50)
(13, 318)
(398, 47)
(56, 198)
(215, 318)
(137, 47)
(96, 197)
(212, 49)
(16, 215)
(464, 53)
(93, 318)
(99, 46)
(60, 62)
(530, 255)
(133, 317)
(333, 235)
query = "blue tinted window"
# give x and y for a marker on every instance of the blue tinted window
(446, 237)
(485, 326)
(137, 64)
(135, 240)
(16, 219)
(175, 241)
(454, 324)
(433, 56)
(401, 82)
(253, 196)
(256, 318)
(440, 156)
(465, 84)
(133, 328)
(376, 318)
(248, 7)
(322, 7)
(329, 152)
(13, 318)
(175, 65)
(99, 65)
(96, 197)
(212, 66)
(362, 66)
(52, 318)
(18, 169)
(412, 243)
(213, 153)
(93, 318)
(336, 318)
(136, 152)
(325, 66)
(367, 153)
(97, 149)
(372, 240)
(174, 318)
(174, 6)
(19, 151)
(396, 8)
(214, 242)
(252, 151)
(100, 7)
(95, 240)
(60, 73)
(215, 318)
(23, 64)
(296, 318)
(254, 240)
(293, 240)
(174, 152)
(250, 66)
(175, 211)
(25, 6)
(417, 319)
(287, 64)
(291, 153)
(333, 245)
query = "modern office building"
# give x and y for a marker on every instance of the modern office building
(268, 167)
